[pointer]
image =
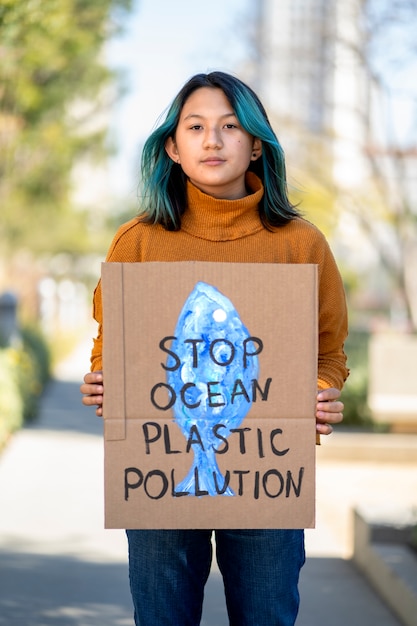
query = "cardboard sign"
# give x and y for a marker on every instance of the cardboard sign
(210, 374)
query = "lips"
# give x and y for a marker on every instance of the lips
(213, 160)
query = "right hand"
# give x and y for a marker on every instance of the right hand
(92, 390)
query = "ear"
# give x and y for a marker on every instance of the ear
(171, 150)
(256, 149)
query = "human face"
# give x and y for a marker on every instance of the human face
(211, 146)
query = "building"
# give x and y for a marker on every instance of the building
(311, 80)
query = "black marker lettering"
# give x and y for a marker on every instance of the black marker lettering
(147, 436)
(164, 486)
(171, 399)
(133, 485)
(264, 393)
(265, 479)
(274, 433)
(246, 353)
(172, 354)
(291, 483)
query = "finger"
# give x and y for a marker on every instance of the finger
(329, 418)
(330, 414)
(93, 377)
(324, 429)
(331, 406)
(92, 389)
(328, 395)
(92, 400)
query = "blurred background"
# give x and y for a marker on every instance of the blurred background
(83, 83)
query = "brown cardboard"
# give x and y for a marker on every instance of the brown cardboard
(268, 461)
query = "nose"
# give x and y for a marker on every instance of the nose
(212, 138)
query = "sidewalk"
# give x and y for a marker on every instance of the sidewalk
(59, 567)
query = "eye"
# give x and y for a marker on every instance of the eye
(230, 125)
(196, 127)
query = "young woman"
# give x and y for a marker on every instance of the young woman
(215, 190)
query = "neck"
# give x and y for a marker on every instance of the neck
(220, 219)
(233, 191)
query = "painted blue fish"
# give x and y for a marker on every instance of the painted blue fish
(211, 382)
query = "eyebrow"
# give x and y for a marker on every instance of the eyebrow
(200, 117)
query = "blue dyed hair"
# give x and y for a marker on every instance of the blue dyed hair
(164, 183)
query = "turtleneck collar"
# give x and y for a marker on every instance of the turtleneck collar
(215, 219)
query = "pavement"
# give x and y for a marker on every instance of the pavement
(59, 567)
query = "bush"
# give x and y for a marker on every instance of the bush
(355, 392)
(11, 401)
(36, 346)
(24, 371)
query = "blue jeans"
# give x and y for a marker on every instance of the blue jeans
(169, 568)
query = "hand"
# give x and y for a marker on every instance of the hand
(329, 410)
(92, 390)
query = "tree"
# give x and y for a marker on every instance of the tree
(340, 80)
(51, 63)
(386, 53)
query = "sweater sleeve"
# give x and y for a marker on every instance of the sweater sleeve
(123, 249)
(333, 322)
(97, 351)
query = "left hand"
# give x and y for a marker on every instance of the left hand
(329, 410)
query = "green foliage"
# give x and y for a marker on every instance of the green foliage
(11, 402)
(52, 81)
(24, 371)
(356, 412)
(36, 346)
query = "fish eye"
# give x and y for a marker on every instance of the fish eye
(219, 315)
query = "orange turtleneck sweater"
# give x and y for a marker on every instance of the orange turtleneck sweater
(230, 231)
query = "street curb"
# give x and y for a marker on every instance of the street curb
(382, 554)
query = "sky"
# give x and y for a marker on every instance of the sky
(164, 43)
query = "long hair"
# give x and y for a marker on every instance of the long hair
(164, 198)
